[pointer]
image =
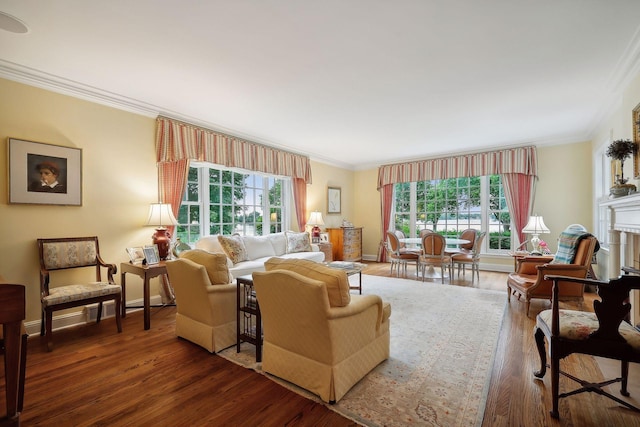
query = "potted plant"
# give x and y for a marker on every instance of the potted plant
(620, 150)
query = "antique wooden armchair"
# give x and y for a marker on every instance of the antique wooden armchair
(70, 253)
(604, 333)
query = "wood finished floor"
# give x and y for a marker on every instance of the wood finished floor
(97, 377)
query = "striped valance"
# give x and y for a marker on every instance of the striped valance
(177, 140)
(515, 160)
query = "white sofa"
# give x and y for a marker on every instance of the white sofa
(261, 248)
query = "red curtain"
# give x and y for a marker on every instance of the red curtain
(519, 191)
(300, 201)
(386, 199)
(172, 179)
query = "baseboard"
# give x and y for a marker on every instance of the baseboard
(87, 314)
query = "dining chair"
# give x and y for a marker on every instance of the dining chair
(434, 255)
(470, 256)
(399, 256)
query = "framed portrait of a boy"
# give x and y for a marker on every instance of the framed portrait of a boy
(44, 174)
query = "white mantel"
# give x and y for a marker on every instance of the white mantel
(624, 240)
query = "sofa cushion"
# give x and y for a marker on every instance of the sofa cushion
(279, 242)
(258, 247)
(233, 246)
(209, 244)
(215, 264)
(298, 242)
(335, 280)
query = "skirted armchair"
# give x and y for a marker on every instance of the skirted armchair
(317, 335)
(205, 299)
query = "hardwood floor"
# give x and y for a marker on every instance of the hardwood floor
(95, 377)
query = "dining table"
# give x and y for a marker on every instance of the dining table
(450, 241)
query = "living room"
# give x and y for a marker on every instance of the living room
(120, 179)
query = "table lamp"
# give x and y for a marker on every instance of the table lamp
(315, 220)
(535, 226)
(161, 214)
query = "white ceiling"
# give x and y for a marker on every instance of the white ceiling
(356, 83)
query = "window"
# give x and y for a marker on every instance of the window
(449, 206)
(224, 201)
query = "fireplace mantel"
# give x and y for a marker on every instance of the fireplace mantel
(624, 240)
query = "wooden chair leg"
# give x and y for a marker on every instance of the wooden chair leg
(624, 375)
(49, 330)
(99, 315)
(539, 337)
(555, 384)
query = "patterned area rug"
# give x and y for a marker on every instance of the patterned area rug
(443, 340)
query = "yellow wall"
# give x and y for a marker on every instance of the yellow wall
(119, 180)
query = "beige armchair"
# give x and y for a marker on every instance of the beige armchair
(205, 299)
(313, 336)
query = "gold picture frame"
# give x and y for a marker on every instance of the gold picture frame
(636, 138)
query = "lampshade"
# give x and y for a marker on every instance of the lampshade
(161, 214)
(535, 226)
(315, 219)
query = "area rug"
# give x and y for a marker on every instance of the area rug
(443, 341)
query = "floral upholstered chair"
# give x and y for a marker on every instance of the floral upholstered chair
(71, 253)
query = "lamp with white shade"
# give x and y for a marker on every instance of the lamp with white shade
(315, 220)
(161, 214)
(535, 227)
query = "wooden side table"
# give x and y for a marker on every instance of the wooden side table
(327, 248)
(249, 321)
(146, 272)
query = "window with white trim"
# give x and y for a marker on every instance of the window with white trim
(226, 201)
(449, 206)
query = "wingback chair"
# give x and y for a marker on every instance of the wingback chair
(317, 335)
(573, 259)
(205, 299)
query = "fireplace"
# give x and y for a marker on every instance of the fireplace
(624, 241)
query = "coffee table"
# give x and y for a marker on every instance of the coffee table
(350, 268)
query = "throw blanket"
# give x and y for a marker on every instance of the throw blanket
(568, 243)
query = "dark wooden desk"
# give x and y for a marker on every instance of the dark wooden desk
(146, 272)
(12, 313)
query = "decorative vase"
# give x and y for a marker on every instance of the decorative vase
(620, 190)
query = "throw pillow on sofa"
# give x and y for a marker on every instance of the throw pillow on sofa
(335, 280)
(233, 246)
(258, 247)
(215, 263)
(298, 242)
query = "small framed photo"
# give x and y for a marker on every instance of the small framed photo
(151, 254)
(44, 174)
(136, 255)
(324, 237)
(334, 200)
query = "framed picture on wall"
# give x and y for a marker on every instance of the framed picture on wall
(334, 200)
(44, 174)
